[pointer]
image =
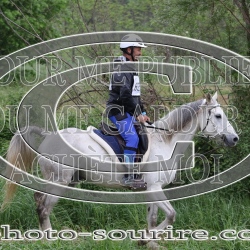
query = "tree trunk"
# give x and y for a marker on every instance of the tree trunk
(242, 5)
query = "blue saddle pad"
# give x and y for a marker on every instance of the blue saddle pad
(112, 141)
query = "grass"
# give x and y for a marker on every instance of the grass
(212, 212)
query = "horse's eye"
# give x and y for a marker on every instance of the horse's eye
(218, 116)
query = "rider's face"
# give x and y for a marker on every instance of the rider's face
(136, 53)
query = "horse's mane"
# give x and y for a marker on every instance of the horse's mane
(177, 119)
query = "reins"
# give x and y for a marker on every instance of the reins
(172, 131)
(200, 134)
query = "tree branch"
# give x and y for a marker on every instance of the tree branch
(245, 28)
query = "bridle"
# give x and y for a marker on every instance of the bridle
(221, 134)
(209, 115)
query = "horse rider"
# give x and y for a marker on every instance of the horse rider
(124, 103)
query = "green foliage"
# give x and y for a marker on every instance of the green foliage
(27, 22)
(241, 96)
(209, 21)
(114, 15)
(10, 101)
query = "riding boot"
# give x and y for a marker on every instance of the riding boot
(131, 180)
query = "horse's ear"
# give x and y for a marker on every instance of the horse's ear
(215, 96)
(208, 98)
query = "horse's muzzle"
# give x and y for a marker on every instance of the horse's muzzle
(230, 140)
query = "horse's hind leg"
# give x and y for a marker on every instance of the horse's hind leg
(45, 204)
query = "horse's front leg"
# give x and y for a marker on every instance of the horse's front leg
(161, 202)
(169, 212)
(152, 215)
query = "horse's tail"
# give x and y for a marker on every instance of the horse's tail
(21, 156)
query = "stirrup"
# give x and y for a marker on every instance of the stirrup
(136, 184)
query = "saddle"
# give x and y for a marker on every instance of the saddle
(112, 137)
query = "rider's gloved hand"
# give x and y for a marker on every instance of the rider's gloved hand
(143, 118)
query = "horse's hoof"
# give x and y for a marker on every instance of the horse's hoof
(142, 242)
(152, 245)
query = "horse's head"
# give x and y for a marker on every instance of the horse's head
(214, 123)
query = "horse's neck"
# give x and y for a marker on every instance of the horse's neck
(184, 135)
(187, 133)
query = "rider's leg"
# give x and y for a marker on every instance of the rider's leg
(125, 126)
